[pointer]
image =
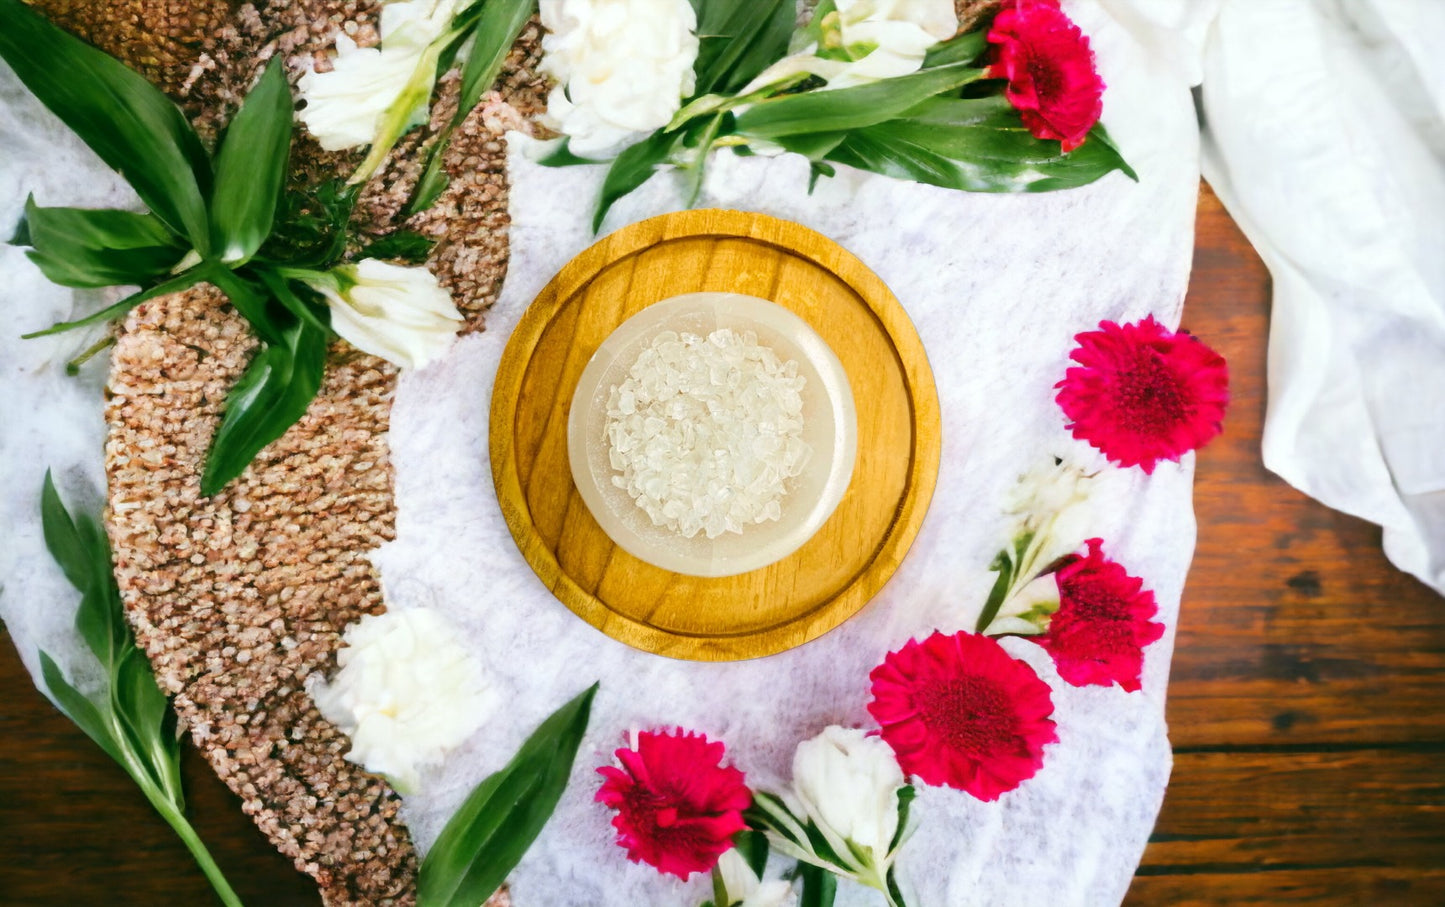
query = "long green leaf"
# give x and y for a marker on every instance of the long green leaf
(851, 108)
(631, 169)
(63, 538)
(269, 398)
(495, 31)
(251, 168)
(144, 711)
(77, 708)
(488, 835)
(977, 158)
(174, 285)
(820, 887)
(964, 48)
(738, 39)
(75, 247)
(124, 119)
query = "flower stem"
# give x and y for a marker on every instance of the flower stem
(193, 843)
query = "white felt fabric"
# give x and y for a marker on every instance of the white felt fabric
(1326, 141)
(997, 287)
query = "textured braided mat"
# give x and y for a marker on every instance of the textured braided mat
(238, 598)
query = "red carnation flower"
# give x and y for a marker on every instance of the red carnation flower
(678, 807)
(959, 710)
(1050, 70)
(1142, 393)
(1098, 635)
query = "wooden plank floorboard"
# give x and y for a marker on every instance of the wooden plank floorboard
(1305, 707)
(1308, 677)
(1356, 885)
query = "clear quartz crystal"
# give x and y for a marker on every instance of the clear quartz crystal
(706, 432)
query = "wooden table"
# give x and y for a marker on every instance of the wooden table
(1305, 707)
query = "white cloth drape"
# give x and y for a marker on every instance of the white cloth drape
(1325, 138)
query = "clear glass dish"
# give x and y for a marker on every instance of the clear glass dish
(830, 427)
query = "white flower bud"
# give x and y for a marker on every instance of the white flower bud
(406, 693)
(622, 67)
(401, 314)
(867, 40)
(745, 888)
(347, 106)
(848, 784)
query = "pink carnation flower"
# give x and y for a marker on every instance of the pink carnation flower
(1050, 70)
(1142, 393)
(1098, 635)
(960, 711)
(678, 807)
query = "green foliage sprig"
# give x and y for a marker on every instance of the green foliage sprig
(948, 124)
(486, 838)
(211, 216)
(129, 716)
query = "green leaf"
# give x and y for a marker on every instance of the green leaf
(311, 224)
(964, 48)
(75, 247)
(738, 39)
(174, 285)
(251, 167)
(124, 119)
(144, 711)
(753, 847)
(81, 711)
(296, 298)
(1005, 567)
(63, 539)
(403, 245)
(79, 546)
(906, 796)
(820, 887)
(851, 108)
(979, 145)
(560, 155)
(495, 31)
(488, 835)
(269, 398)
(631, 169)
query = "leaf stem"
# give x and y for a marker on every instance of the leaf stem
(72, 368)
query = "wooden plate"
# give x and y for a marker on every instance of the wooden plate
(830, 577)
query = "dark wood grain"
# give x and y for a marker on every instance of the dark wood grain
(1305, 707)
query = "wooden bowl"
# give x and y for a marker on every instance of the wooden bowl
(833, 574)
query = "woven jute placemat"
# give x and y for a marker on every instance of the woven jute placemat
(240, 597)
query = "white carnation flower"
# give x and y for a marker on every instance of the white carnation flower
(406, 693)
(346, 106)
(622, 67)
(848, 783)
(867, 40)
(398, 313)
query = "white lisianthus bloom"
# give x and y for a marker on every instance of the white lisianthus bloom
(622, 68)
(398, 313)
(848, 784)
(406, 693)
(347, 106)
(863, 41)
(1049, 500)
(743, 886)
